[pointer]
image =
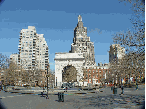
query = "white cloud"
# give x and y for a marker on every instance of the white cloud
(95, 30)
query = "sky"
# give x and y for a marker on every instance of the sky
(56, 19)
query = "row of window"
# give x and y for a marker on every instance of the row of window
(27, 42)
(96, 71)
(86, 77)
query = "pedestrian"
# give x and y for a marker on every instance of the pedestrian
(122, 88)
(136, 86)
(116, 85)
(66, 89)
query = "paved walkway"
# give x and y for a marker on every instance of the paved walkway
(101, 99)
(106, 90)
(86, 101)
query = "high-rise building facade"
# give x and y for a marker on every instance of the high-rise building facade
(41, 52)
(33, 49)
(14, 58)
(116, 52)
(82, 44)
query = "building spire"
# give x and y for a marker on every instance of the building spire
(79, 18)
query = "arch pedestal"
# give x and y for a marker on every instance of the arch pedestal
(64, 59)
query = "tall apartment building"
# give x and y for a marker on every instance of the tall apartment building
(116, 52)
(82, 44)
(33, 49)
(14, 58)
(41, 52)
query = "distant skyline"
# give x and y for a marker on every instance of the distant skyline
(57, 20)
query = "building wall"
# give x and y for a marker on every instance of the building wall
(116, 52)
(42, 58)
(14, 58)
(33, 49)
(95, 75)
(82, 44)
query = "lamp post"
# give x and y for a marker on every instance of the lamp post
(47, 82)
(56, 81)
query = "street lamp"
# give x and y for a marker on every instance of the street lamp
(47, 82)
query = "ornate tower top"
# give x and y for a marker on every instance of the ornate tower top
(79, 18)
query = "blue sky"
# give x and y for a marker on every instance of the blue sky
(56, 19)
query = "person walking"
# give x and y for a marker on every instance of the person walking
(136, 86)
(66, 89)
(122, 88)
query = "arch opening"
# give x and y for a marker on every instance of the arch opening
(69, 74)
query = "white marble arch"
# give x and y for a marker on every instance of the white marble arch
(64, 59)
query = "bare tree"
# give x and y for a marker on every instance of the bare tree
(69, 74)
(11, 74)
(133, 41)
(5, 68)
(4, 61)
